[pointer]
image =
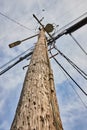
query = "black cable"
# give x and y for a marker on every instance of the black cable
(11, 19)
(77, 43)
(9, 67)
(69, 82)
(77, 94)
(74, 89)
(43, 27)
(72, 63)
(63, 31)
(70, 76)
(15, 58)
(81, 72)
(71, 22)
(20, 59)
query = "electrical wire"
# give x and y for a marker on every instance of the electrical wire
(68, 30)
(77, 43)
(16, 57)
(74, 89)
(9, 67)
(20, 59)
(81, 72)
(16, 22)
(64, 27)
(42, 26)
(69, 75)
(78, 95)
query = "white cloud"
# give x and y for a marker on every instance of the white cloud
(71, 108)
(59, 12)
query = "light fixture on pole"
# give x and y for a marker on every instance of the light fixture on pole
(19, 42)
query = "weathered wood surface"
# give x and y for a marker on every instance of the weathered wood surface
(37, 108)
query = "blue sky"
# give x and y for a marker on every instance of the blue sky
(73, 113)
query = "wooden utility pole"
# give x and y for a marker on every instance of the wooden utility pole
(37, 108)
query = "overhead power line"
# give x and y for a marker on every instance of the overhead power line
(15, 58)
(16, 22)
(78, 95)
(20, 59)
(70, 76)
(80, 71)
(74, 89)
(76, 26)
(49, 41)
(43, 26)
(77, 43)
(68, 27)
(71, 27)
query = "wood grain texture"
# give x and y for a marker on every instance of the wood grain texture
(37, 108)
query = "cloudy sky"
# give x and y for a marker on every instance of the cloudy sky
(60, 12)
